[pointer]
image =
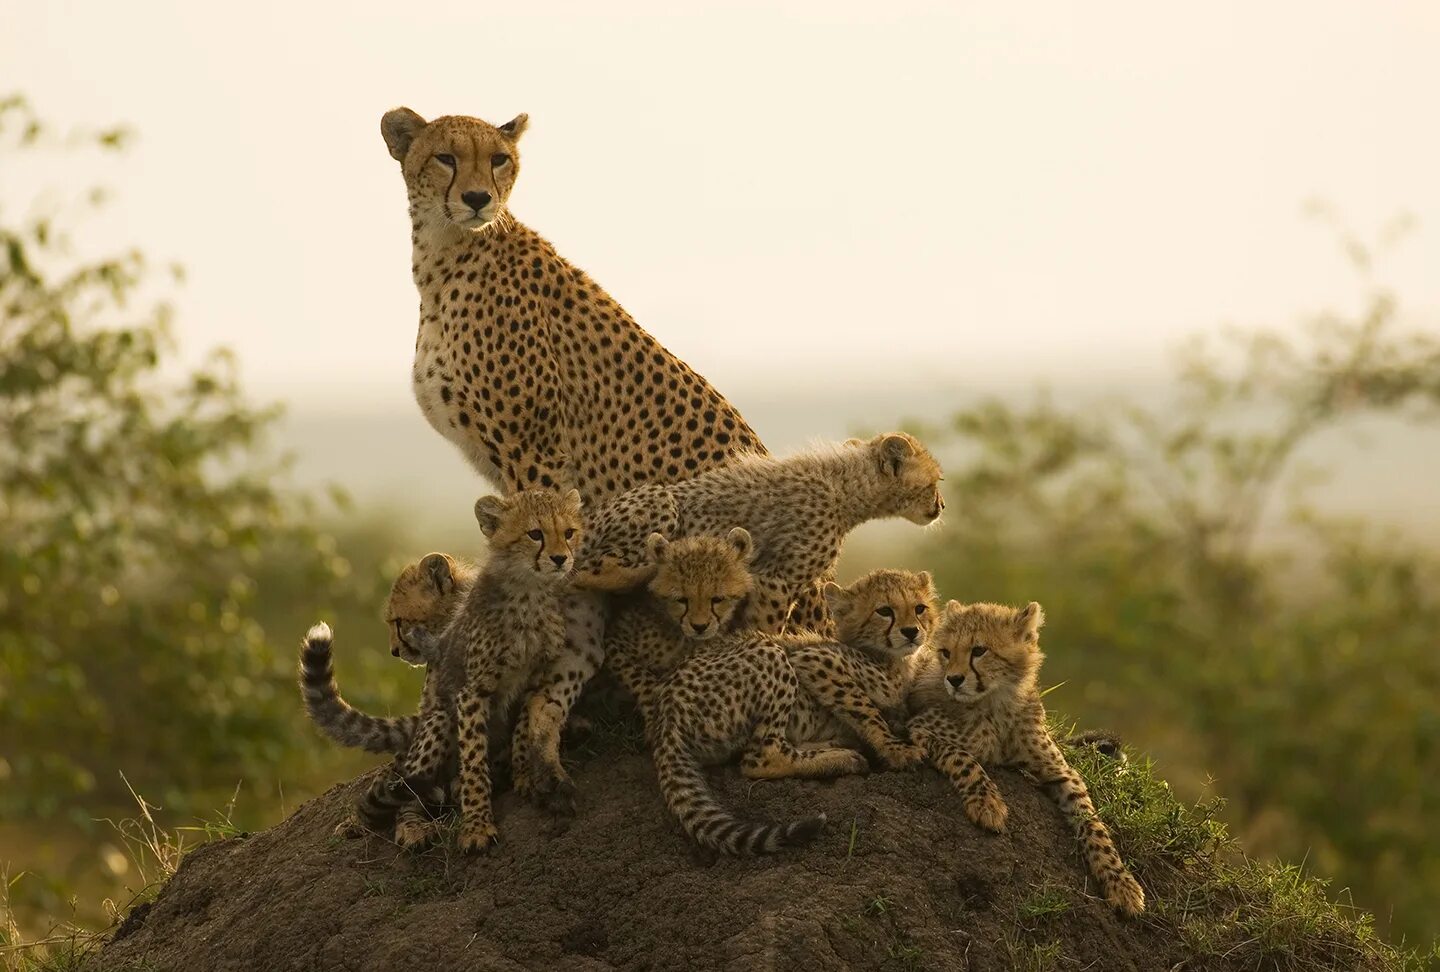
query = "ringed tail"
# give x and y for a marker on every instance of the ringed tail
(334, 716)
(687, 794)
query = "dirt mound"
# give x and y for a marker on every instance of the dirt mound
(898, 880)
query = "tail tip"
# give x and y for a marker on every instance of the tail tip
(318, 635)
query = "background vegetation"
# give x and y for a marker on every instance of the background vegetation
(155, 571)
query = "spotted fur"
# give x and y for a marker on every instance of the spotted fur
(425, 593)
(860, 680)
(709, 693)
(507, 629)
(799, 510)
(975, 701)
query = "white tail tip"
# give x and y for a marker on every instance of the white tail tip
(320, 632)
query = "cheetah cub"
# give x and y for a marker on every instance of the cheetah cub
(508, 627)
(698, 590)
(975, 700)
(730, 693)
(799, 510)
(424, 593)
(864, 675)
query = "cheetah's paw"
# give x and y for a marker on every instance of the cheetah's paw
(987, 810)
(1125, 895)
(415, 834)
(477, 837)
(898, 755)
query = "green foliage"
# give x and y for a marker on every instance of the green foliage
(1198, 605)
(141, 519)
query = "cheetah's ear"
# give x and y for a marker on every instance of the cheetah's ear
(836, 597)
(515, 127)
(488, 511)
(739, 538)
(571, 501)
(927, 582)
(436, 567)
(953, 608)
(655, 547)
(398, 127)
(895, 449)
(1030, 619)
(852, 443)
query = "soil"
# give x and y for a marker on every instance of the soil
(898, 879)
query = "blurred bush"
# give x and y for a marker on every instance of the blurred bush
(145, 540)
(1201, 607)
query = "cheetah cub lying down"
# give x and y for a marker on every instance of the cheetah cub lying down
(728, 694)
(974, 700)
(860, 680)
(507, 628)
(799, 510)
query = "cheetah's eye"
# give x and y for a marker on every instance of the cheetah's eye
(978, 650)
(446, 160)
(569, 534)
(499, 159)
(919, 610)
(535, 535)
(885, 612)
(683, 601)
(944, 654)
(717, 601)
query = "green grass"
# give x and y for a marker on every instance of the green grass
(155, 854)
(1222, 904)
(1045, 902)
(1026, 956)
(905, 954)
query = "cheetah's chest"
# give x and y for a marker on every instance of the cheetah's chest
(434, 383)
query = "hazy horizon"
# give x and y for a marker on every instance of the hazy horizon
(806, 196)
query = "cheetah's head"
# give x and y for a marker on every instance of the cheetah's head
(700, 581)
(913, 475)
(425, 594)
(988, 648)
(535, 529)
(459, 171)
(886, 612)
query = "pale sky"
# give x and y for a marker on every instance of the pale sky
(788, 195)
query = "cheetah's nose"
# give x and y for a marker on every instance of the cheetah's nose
(475, 199)
(955, 680)
(699, 626)
(559, 559)
(910, 633)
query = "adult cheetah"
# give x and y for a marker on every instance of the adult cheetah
(524, 363)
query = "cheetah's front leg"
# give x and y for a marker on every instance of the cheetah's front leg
(822, 673)
(548, 709)
(945, 748)
(477, 818)
(1039, 756)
